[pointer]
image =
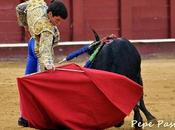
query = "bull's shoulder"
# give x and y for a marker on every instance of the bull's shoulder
(122, 43)
(124, 46)
(122, 40)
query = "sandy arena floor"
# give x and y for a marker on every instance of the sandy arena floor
(159, 84)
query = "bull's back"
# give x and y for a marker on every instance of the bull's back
(121, 57)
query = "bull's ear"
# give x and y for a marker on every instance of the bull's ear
(97, 38)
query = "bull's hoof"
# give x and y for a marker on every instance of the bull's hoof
(22, 122)
(138, 125)
(153, 121)
(119, 124)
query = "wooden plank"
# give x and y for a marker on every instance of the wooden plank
(126, 18)
(9, 29)
(78, 20)
(101, 15)
(172, 18)
(150, 19)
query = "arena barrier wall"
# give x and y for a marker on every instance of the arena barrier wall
(146, 47)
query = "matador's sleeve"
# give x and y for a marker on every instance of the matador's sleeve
(45, 50)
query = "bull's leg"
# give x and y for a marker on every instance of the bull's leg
(149, 116)
(137, 118)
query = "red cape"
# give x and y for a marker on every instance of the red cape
(76, 97)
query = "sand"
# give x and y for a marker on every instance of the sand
(159, 88)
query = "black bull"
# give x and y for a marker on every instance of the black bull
(120, 56)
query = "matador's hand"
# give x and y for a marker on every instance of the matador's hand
(49, 66)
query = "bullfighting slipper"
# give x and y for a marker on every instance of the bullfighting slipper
(119, 124)
(22, 122)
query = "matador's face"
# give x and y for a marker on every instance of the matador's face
(55, 20)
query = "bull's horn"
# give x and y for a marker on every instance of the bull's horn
(97, 38)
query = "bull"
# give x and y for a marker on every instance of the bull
(120, 56)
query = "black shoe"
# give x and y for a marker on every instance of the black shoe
(22, 122)
(119, 124)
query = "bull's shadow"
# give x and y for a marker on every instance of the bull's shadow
(121, 57)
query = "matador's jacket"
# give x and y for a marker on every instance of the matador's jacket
(33, 14)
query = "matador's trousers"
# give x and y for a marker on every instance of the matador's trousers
(32, 60)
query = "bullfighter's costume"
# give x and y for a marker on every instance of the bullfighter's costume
(33, 15)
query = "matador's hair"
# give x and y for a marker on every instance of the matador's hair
(58, 9)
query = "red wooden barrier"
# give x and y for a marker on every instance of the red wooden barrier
(136, 19)
(9, 30)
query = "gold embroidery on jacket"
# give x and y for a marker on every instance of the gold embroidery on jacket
(42, 29)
